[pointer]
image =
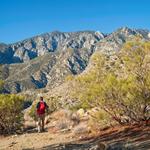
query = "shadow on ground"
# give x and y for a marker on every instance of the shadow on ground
(130, 138)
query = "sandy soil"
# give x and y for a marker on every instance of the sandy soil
(33, 140)
(126, 138)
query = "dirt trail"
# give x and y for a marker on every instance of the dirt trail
(125, 138)
(33, 140)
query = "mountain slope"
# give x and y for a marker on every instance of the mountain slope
(46, 60)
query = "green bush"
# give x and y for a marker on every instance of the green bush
(100, 118)
(121, 90)
(11, 115)
(32, 112)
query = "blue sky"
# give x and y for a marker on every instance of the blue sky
(20, 19)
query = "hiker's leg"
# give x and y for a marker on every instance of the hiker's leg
(39, 124)
(43, 119)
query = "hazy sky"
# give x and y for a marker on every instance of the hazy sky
(20, 19)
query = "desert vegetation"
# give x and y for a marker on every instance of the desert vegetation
(11, 116)
(118, 86)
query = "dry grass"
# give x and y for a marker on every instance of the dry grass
(64, 119)
(82, 128)
(61, 114)
(64, 124)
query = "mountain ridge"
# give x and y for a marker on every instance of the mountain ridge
(44, 61)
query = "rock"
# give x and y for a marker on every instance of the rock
(14, 136)
(81, 112)
(149, 35)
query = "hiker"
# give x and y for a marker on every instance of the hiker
(41, 108)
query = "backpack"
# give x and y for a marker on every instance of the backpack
(41, 108)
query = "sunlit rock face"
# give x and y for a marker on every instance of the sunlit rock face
(149, 35)
(52, 42)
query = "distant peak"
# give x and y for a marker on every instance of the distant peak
(99, 34)
(125, 29)
(56, 32)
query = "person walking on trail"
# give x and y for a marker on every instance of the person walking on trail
(41, 109)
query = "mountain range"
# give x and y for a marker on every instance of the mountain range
(45, 61)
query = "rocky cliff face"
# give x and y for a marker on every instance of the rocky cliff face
(50, 42)
(114, 41)
(46, 60)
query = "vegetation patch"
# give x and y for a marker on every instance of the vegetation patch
(11, 116)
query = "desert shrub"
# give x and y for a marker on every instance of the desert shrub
(100, 118)
(61, 113)
(81, 128)
(54, 103)
(63, 124)
(32, 112)
(11, 115)
(65, 119)
(121, 90)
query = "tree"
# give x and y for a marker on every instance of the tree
(136, 59)
(121, 90)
